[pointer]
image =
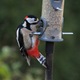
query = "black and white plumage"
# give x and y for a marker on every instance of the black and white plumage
(27, 42)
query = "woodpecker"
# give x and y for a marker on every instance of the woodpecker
(28, 42)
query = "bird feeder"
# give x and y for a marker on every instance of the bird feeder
(52, 14)
(52, 21)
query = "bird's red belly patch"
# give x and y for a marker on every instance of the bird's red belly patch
(34, 52)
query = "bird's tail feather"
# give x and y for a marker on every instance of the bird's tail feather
(28, 60)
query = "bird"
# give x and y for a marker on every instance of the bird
(28, 42)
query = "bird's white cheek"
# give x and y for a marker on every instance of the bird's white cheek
(30, 20)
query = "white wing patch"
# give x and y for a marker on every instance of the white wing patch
(17, 36)
(24, 24)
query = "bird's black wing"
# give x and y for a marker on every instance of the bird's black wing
(20, 42)
(19, 38)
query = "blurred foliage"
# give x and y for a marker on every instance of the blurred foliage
(12, 68)
(67, 53)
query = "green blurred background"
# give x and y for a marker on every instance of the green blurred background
(67, 53)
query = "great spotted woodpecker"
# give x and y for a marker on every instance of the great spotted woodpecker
(27, 42)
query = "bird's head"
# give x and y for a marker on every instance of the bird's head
(30, 22)
(31, 19)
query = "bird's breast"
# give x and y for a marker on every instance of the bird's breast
(26, 38)
(28, 41)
